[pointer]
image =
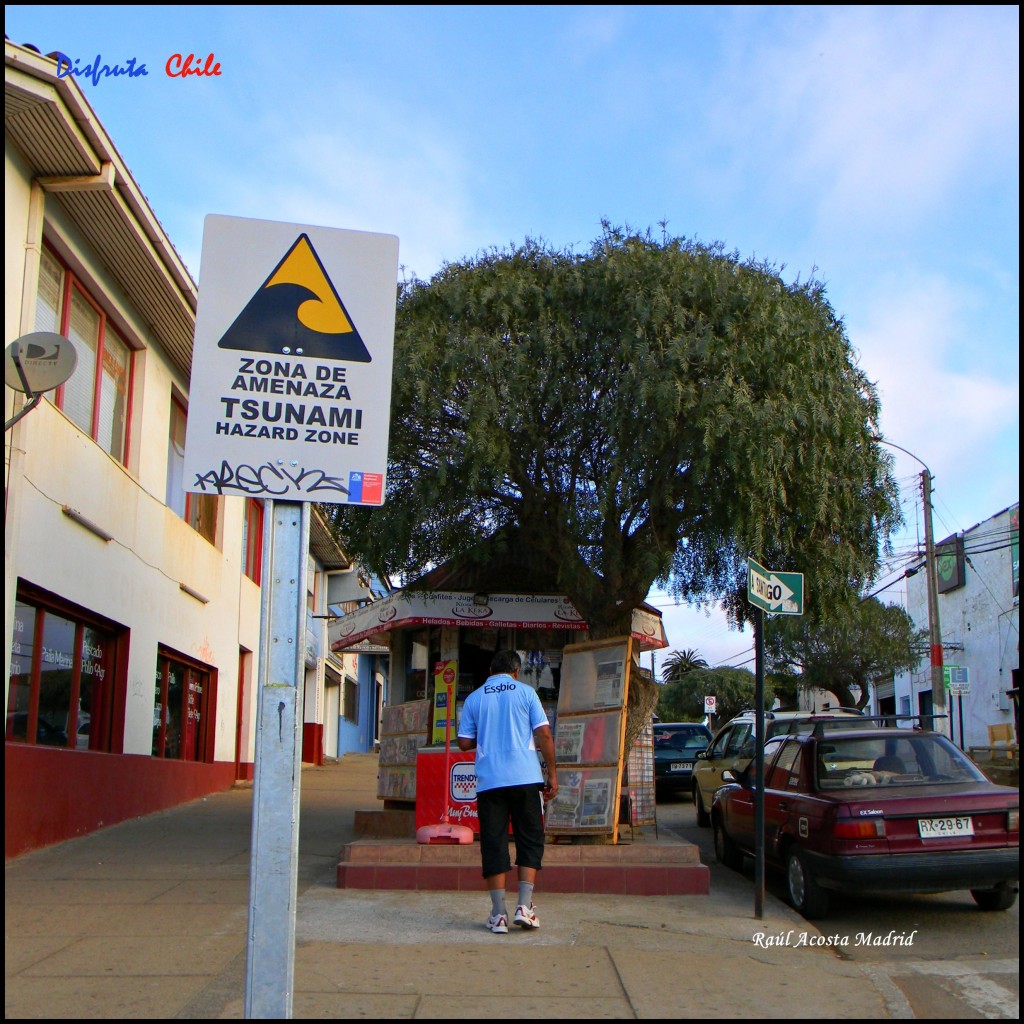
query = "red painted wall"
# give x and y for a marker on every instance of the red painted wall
(51, 794)
(312, 743)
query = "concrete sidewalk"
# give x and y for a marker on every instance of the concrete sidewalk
(148, 919)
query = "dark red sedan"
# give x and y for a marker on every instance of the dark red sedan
(880, 810)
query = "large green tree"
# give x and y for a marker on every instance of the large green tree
(858, 643)
(651, 409)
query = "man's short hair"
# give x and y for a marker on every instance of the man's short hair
(507, 662)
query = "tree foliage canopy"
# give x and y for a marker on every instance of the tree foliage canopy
(648, 410)
(858, 643)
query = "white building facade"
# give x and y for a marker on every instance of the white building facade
(978, 582)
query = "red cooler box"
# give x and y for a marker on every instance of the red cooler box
(442, 781)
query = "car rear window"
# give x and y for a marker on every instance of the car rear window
(695, 737)
(913, 760)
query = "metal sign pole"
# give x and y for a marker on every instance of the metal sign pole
(273, 873)
(759, 764)
(255, 333)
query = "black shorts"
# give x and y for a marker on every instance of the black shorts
(496, 808)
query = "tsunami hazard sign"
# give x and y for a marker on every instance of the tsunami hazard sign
(291, 367)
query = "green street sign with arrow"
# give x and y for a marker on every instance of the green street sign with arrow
(780, 593)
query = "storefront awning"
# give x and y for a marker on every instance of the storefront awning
(489, 611)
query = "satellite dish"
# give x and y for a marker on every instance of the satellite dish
(39, 362)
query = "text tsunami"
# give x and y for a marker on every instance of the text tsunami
(290, 421)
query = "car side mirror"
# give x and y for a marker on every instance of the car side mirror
(701, 755)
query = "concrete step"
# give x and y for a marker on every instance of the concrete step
(634, 869)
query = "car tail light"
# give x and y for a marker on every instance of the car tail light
(868, 828)
(1013, 819)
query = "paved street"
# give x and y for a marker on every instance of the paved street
(953, 961)
(147, 919)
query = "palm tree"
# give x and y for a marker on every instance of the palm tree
(679, 663)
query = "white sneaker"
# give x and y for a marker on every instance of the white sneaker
(498, 923)
(526, 917)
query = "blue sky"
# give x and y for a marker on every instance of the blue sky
(873, 147)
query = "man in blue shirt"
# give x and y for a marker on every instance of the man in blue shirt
(503, 721)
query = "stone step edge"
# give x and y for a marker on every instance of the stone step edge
(597, 879)
(378, 852)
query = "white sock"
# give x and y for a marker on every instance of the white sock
(498, 902)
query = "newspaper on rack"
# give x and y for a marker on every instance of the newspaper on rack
(608, 692)
(569, 741)
(562, 811)
(596, 802)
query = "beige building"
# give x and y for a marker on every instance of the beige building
(132, 609)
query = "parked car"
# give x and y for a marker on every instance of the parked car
(676, 745)
(733, 747)
(878, 810)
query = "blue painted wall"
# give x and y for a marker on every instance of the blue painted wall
(357, 737)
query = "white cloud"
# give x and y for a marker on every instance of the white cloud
(873, 114)
(947, 400)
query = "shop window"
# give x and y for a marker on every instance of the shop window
(198, 510)
(422, 653)
(350, 711)
(64, 679)
(184, 709)
(97, 396)
(252, 540)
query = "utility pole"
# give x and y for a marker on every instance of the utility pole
(939, 705)
(934, 628)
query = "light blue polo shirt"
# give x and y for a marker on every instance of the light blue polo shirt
(501, 716)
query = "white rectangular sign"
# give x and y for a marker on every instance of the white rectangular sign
(291, 367)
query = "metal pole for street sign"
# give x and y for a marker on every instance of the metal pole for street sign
(759, 763)
(255, 332)
(783, 594)
(274, 857)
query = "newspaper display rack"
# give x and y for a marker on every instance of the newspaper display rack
(404, 729)
(639, 780)
(590, 737)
